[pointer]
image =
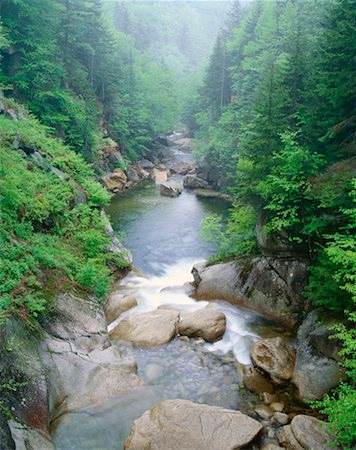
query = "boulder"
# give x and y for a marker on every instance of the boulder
(206, 323)
(209, 193)
(305, 433)
(274, 357)
(311, 432)
(314, 374)
(170, 189)
(117, 303)
(148, 329)
(321, 338)
(181, 168)
(264, 411)
(194, 182)
(280, 418)
(132, 175)
(115, 181)
(145, 164)
(268, 285)
(287, 439)
(181, 424)
(159, 176)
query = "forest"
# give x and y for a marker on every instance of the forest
(265, 90)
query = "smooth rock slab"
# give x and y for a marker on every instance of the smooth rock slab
(206, 323)
(311, 433)
(148, 329)
(181, 424)
(275, 358)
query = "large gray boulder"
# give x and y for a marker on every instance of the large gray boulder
(271, 286)
(315, 374)
(274, 357)
(206, 323)
(194, 182)
(181, 424)
(148, 329)
(171, 189)
(306, 433)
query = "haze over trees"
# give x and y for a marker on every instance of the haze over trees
(274, 112)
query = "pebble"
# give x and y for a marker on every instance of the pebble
(280, 418)
(264, 411)
(277, 406)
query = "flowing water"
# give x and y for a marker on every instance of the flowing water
(162, 233)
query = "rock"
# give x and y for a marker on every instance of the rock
(311, 433)
(115, 181)
(209, 193)
(159, 176)
(142, 173)
(181, 168)
(115, 245)
(181, 424)
(280, 418)
(264, 411)
(287, 439)
(314, 374)
(269, 398)
(29, 438)
(145, 164)
(268, 285)
(256, 382)
(153, 372)
(275, 358)
(271, 447)
(148, 329)
(6, 441)
(11, 114)
(184, 144)
(206, 323)
(277, 406)
(132, 175)
(171, 189)
(321, 339)
(277, 244)
(117, 303)
(194, 182)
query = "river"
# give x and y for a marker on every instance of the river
(162, 233)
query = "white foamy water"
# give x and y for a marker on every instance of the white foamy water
(167, 289)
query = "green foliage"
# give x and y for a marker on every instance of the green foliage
(236, 238)
(50, 220)
(340, 405)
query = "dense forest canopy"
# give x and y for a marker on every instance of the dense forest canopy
(276, 114)
(273, 113)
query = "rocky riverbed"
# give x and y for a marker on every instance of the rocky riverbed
(219, 359)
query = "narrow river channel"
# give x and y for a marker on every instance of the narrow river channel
(162, 233)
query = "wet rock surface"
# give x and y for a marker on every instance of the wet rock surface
(314, 373)
(206, 323)
(274, 357)
(270, 286)
(177, 424)
(171, 189)
(148, 329)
